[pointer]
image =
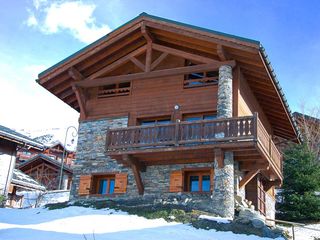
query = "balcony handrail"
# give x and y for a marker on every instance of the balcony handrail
(182, 122)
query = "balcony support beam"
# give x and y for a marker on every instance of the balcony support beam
(136, 167)
(247, 178)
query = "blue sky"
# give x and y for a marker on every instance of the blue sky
(35, 34)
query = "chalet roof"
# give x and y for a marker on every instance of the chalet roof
(249, 54)
(56, 143)
(19, 138)
(21, 179)
(42, 157)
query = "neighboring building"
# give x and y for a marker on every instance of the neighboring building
(55, 150)
(173, 110)
(47, 171)
(21, 183)
(10, 141)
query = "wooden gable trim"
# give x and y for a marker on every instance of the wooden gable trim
(159, 60)
(202, 35)
(183, 54)
(91, 49)
(137, 63)
(117, 63)
(154, 74)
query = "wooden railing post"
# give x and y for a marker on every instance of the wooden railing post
(176, 134)
(270, 150)
(255, 126)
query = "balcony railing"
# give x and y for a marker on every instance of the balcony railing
(228, 130)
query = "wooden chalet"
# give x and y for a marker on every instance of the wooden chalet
(46, 170)
(170, 109)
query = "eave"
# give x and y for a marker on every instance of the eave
(249, 55)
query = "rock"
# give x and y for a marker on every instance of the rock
(258, 223)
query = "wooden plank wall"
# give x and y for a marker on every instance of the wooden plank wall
(156, 97)
(248, 104)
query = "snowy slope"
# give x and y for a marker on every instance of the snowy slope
(72, 222)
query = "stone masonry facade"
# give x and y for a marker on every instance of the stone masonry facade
(92, 159)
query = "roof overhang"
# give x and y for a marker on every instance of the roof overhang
(249, 55)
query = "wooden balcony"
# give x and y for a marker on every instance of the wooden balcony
(246, 136)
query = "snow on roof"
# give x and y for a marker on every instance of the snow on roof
(21, 179)
(18, 137)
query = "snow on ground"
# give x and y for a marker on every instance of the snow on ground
(310, 232)
(73, 223)
(216, 219)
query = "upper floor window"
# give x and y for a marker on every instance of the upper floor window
(199, 116)
(154, 121)
(200, 79)
(112, 90)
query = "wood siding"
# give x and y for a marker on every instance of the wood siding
(155, 97)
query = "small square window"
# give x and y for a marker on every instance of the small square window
(198, 181)
(104, 184)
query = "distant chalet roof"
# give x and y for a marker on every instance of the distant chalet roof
(13, 136)
(22, 180)
(46, 159)
(249, 54)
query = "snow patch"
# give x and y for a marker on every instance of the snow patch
(216, 219)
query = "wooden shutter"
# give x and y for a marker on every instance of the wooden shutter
(85, 184)
(176, 181)
(120, 185)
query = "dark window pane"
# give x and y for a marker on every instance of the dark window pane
(194, 183)
(213, 74)
(103, 186)
(192, 119)
(124, 85)
(111, 188)
(209, 117)
(206, 183)
(164, 121)
(146, 123)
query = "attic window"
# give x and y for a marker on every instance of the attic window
(113, 90)
(200, 79)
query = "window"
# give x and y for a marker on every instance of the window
(199, 116)
(104, 184)
(200, 79)
(112, 90)
(198, 181)
(153, 121)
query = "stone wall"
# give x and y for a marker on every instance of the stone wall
(270, 207)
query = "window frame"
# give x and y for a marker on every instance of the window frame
(200, 172)
(96, 178)
(117, 90)
(201, 115)
(156, 119)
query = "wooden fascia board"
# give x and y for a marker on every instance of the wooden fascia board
(202, 35)
(278, 94)
(117, 63)
(159, 73)
(89, 50)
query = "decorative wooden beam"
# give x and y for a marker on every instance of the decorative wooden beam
(75, 74)
(219, 157)
(118, 62)
(222, 53)
(146, 34)
(136, 168)
(149, 57)
(153, 74)
(183, 54)
(138, 63)
(81, 98)
(247, 178)
(159, 60)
